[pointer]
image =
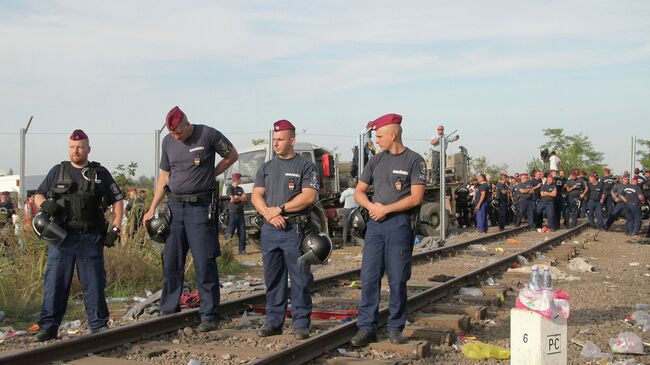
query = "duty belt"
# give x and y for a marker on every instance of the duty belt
(301, 220)
(190, 198)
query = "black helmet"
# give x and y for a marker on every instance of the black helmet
(316, 248)
(494, 203)
(224, 217)
(258, 221)
(358, 218)
(46, 228)
(158, 227)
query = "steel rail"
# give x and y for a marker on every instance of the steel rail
(94, 343)
(335, 337)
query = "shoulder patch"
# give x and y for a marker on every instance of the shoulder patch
(115, 189)
(313, 176)
(423, 168)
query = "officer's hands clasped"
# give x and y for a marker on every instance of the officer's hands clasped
(377, 211)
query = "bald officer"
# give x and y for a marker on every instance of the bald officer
(284, 190)
(398, 176)
(187, 167)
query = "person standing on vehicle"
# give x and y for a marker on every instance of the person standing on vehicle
(398, 176)
(236, 198)
(347, 198)
(285, 189)
(77, 193)
(187, 169)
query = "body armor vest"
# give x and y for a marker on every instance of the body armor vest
(82, 203)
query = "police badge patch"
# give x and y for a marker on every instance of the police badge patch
(115, 189)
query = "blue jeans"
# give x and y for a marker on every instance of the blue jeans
(191, 230)
(237, 223)
(388, 248)
(87, 252)
(481, 218)
(280, 253)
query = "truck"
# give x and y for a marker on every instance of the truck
(327, 213)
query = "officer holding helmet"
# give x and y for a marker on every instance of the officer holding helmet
(76, 193)
(398, 176)
(285, 188)
(187, 169)
(236, 198)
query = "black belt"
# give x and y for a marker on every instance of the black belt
(296, 219)
(190, 198)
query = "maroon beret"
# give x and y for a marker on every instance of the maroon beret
(283, 125)
(385, 120)
(595, 176)
(524, 175)
(78, 135)
(174, 118)
(5, 193)
(504, 175)
(236, 175)
(636, 170)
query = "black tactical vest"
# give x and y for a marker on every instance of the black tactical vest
(83, 204)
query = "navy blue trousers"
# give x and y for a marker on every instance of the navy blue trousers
(525, 209)
(559, 209)
(594, 208)
(609, 204)
(546, 206)
(237, 223)
(633, 225)
(482, 218)
(503, 214)
(191, 230)
(619, 209)
(388, 248)
(87, 252)
(280, 253)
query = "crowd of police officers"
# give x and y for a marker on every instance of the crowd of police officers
(557, 198)
(76, 194)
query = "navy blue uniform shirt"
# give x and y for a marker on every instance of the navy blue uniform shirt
(393, 175)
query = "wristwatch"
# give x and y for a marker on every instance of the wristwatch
(282, 208)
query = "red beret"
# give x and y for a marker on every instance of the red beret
(283, 125)
(5, 193)
(385, 120)
(524, 175)
(236, 175)
(504, 175)
(78, 135)
(595, 176)
(636, 170)
(174, 118)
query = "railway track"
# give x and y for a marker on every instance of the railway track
(328, 336)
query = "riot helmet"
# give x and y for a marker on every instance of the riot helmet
(158, 227)
(358, 218)
(224, 217)
(316, 246)
(46, 228)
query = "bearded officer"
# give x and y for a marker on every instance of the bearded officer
(78, 192)
(187, 169)
(284, 190)
(398, 176)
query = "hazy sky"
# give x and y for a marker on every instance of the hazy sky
(498, 71)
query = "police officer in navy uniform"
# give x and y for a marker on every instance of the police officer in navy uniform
(548, 192)
(502, 197)
(398, 176)
(632, 195)
(285, 189)
(536, 181)
(595, 200)
(584, 192)
(236, 198)
(188, 171)
(607, 182)
(573, 187)
(525, 202)
(462, 206)
(559, 198)
(619, 207)
(77, 193)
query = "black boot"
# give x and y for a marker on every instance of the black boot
(363, 338)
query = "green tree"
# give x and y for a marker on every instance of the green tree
(644, 153)
(574, 151)
(124, 175)
(481, 165)
(144, 182)
(258, 141)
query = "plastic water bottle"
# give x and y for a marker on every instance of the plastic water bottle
(547, 283)
(535, 279)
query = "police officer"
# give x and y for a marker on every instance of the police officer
(285, 188)
(584, 192)
(6, 209)
(502, 193)
(573, 188)
(525, 202)
(462, 208)
(548, 192)
(398, 176)
(236, 198)
(559, 198)
(537, 182)
(607, 182)
(188, 171)
(620, 207)
(594, 202)
(480, 204)
(633, 197)
(77, 193)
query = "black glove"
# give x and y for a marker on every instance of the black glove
(111, 237)
(50, 207)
